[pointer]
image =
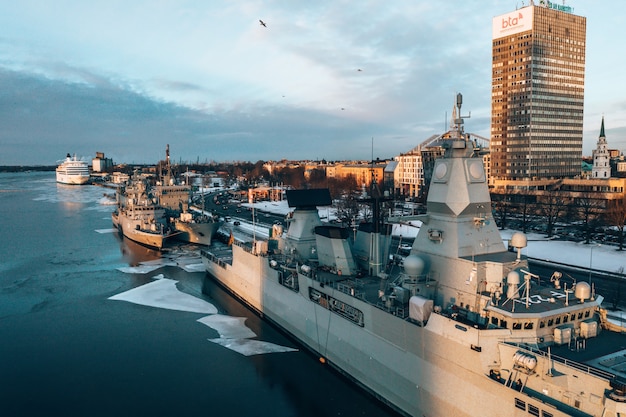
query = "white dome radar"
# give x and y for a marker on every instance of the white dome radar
(413, 265)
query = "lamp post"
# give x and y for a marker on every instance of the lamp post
(591, 260)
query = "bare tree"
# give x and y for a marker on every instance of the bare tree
(588, 208)
(551, 208)
(502, 207)
(616, 216)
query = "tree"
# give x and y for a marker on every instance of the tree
(587, 208)
(502, 205)
(525, 208)
(616, 216)
(551, 209)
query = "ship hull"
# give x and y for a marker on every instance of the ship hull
(197, 233)
(72, 179)
(440, 369)
(129, 228)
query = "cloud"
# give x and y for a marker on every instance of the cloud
(44, 118)
(209, 80)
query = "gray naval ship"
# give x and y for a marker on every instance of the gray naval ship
(462, 328)
(190, 224)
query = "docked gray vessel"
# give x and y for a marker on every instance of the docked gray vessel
(138, 215)
(193, 225)
(463, 328)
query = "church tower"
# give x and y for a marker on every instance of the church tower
(601, 160)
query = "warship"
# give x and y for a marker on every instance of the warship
(461, 328)
(192, 225)
(138, 215)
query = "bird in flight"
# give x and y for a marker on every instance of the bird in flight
(262, 23)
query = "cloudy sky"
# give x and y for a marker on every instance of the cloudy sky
(322, 80)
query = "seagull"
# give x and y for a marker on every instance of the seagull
(359, 70)
(262, 23)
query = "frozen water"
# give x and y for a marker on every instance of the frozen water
(249, 347)
(163, 293)
(194, 267)
(234, 335)
(141, 268)
(113, 230)
(228, 327)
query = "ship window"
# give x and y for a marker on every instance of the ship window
(520, 404)
(517, 325)
(573, 316)
(550, 322)
(494, 320)
(557, 321)
(546, 414)
(587, 314)
(528, 325)
(503, 323)
(542, 324)
(580, 315)
(532, 410)
(565, 318)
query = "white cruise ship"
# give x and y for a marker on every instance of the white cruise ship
(73, 171)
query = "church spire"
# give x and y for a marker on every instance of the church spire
(602, 135)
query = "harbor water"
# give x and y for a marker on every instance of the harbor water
(84, 331)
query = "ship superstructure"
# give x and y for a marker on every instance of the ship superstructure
(463, 328)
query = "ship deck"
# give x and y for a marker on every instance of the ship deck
(604, 354)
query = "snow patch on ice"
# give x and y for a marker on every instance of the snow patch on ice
(113, 230)
(228, 327)
(163, 293)
(249, 347)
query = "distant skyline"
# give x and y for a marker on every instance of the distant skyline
(318, 81)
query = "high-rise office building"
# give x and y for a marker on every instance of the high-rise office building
(538, 80)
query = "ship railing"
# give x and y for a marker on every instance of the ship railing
(216, 260)
(244, 246)
(351, 289)
(589, 370)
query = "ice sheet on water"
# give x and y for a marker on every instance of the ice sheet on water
(112, 230)
(248, 347)
(140, 269)
(163, 293)
(228, 327)
(194, 267)
(147, 266)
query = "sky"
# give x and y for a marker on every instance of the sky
(326, 80)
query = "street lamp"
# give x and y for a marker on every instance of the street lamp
(591, 259)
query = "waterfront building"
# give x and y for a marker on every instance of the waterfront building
(101, 164)
(538, 78)
(364, 173)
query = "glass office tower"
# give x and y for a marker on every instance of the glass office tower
(538, 81)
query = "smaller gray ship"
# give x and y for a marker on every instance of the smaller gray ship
(138, 215)
(191, 225)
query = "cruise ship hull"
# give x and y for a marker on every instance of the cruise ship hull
(72, 179)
